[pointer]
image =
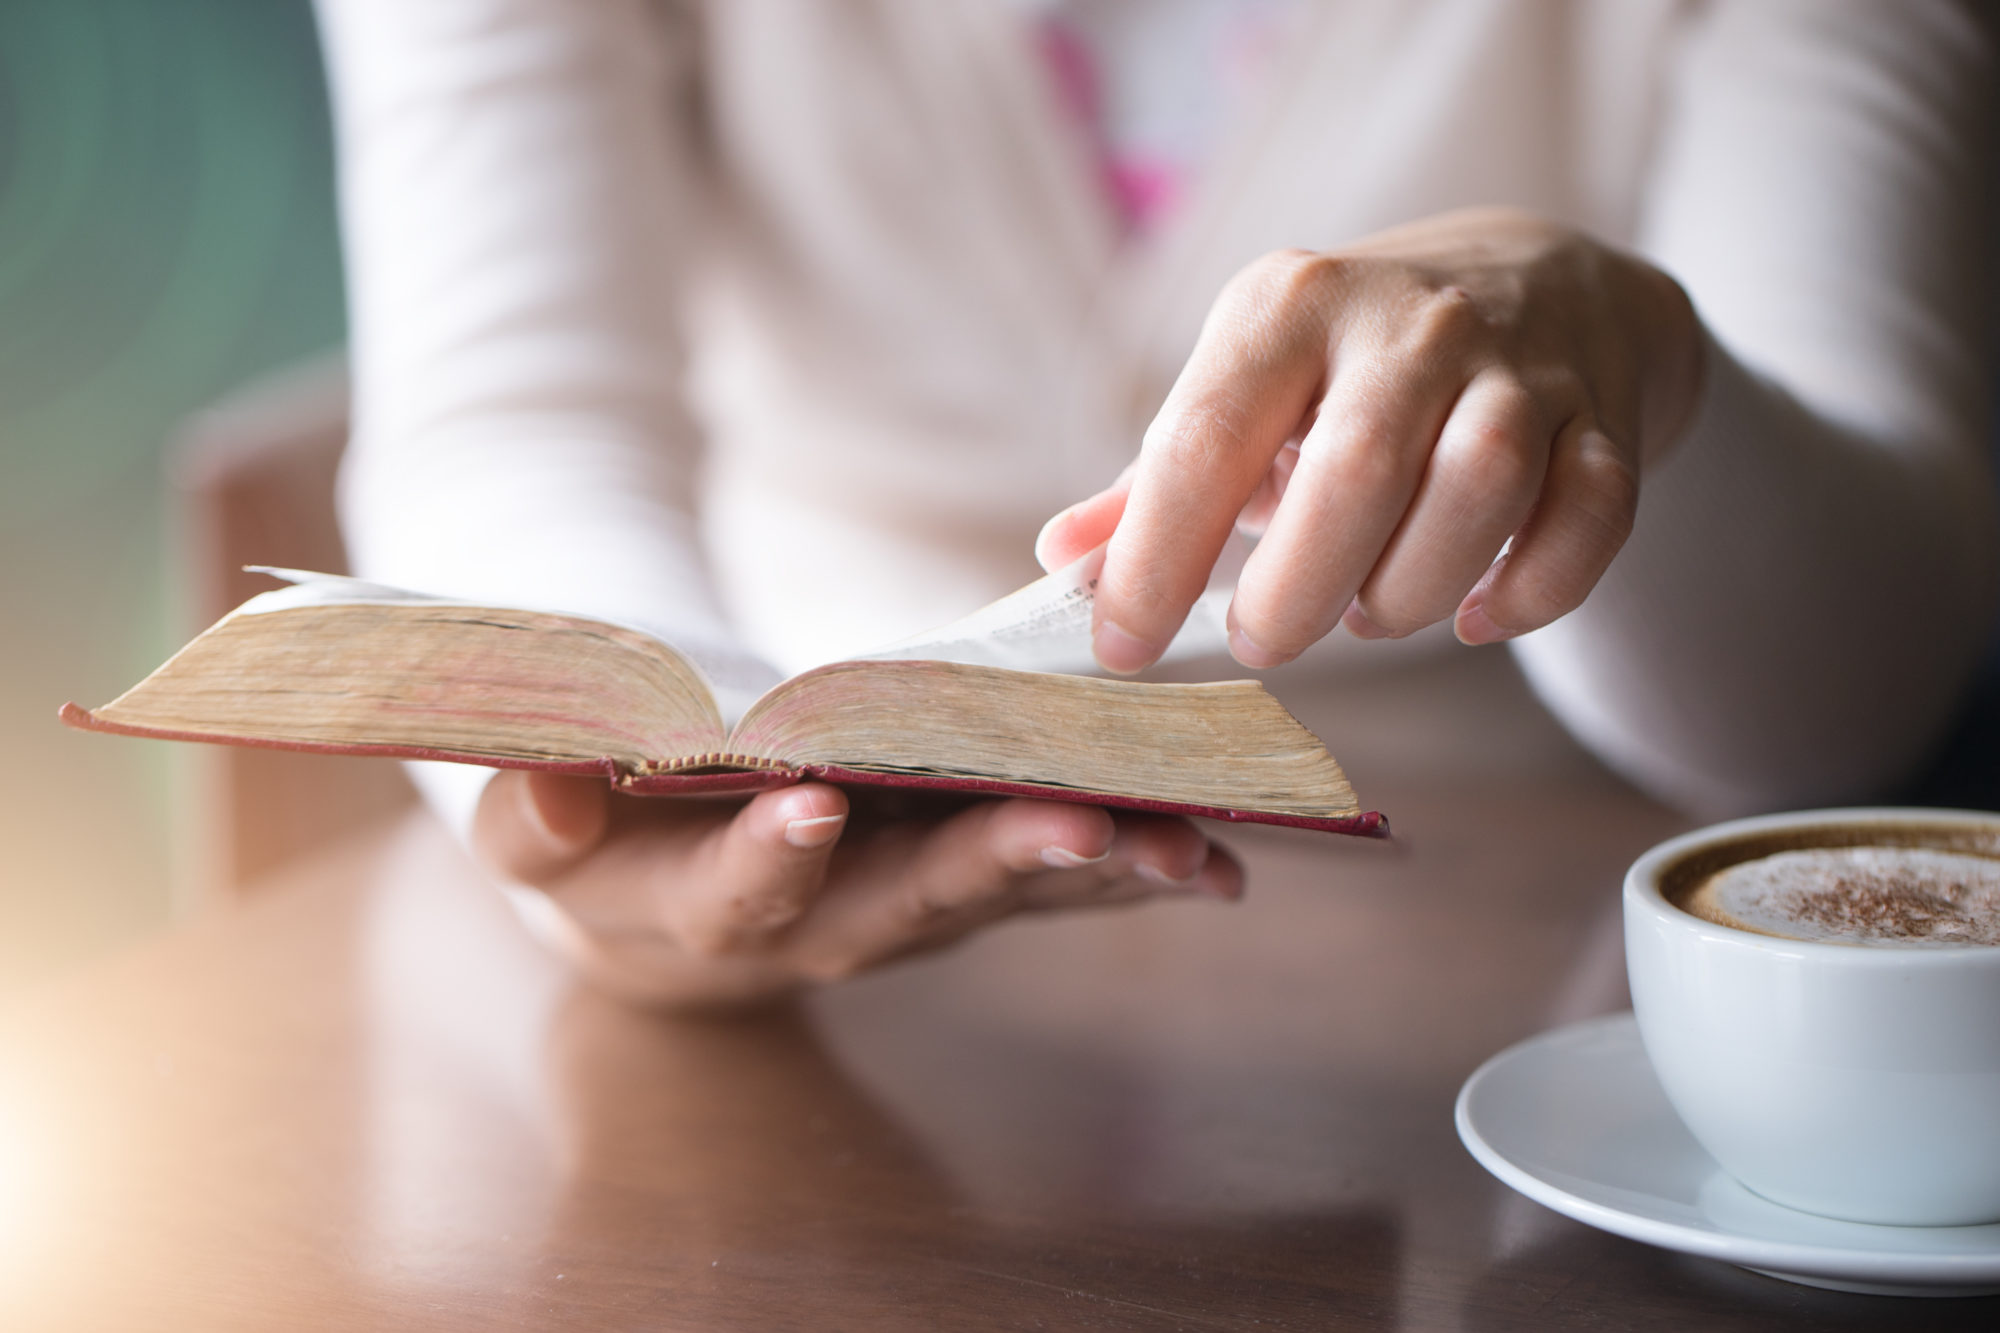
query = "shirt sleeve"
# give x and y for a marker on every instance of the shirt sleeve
(521, 200)
(1812, 573)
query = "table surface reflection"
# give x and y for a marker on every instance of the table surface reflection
(369, 1101)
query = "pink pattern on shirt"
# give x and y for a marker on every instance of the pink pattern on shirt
(1142, 189)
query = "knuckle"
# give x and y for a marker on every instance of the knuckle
(1206, 433)
(1606, 492)
(1447, 316)
(1489, 457)
(1565, 383)
(1282, 297)
(1144, 603)
(1154, 585)
(1284, 277)
(1526, 405)
(1309, 278)
(1369, 460)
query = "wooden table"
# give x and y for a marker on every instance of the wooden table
(368, 1101)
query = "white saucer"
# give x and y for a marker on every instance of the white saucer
(1575, 1120)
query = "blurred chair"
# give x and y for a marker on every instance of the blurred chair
(252, 481)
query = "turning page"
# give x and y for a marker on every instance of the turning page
(1046, 625)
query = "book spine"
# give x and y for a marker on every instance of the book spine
(713, 759)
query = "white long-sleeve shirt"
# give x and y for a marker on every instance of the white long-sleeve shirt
(787, 322)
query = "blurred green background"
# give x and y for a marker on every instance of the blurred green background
(166, 232)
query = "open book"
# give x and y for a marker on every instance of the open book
(342, 666)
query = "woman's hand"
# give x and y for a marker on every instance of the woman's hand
(1389, 416)
(704, 904)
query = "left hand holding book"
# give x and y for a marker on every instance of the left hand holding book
(703, 904)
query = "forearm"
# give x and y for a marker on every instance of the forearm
(1810, 575)
(519, 204)
(1794, 616)
(518, 208)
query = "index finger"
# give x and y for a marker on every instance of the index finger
(1254, 374)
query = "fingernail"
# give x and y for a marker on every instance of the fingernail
(814, 832)
(1162, 878)
(1062, 858)
(1247, 651)
(1119, 651)
(1357, 623)
(1475, 626)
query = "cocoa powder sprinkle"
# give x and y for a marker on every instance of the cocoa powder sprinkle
(1915, 896)
(1885, 907)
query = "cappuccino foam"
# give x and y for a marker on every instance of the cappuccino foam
(1883, 896)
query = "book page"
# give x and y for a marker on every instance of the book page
(1046, 625)
(734, 677)
(1225, 745)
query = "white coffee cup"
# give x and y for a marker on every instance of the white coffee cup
(1855, 1082)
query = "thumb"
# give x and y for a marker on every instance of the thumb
(763, 869)
(535, 827)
